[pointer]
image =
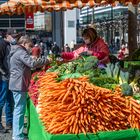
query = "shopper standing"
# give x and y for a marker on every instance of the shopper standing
(94, 45)
(20, 74)
(55, 49)
(6, 97)
(11, 39)
(3, 82)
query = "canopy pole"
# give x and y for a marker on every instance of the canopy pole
(132, 28)
(62, 29)
(25, 23)
(57, 32)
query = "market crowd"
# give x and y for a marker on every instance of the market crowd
(16, 63)
(19, 55)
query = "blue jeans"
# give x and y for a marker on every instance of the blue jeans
(20, 99)
(6, 97)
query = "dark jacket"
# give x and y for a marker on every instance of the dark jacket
(20, 68)
(4, 59)
(55, 50)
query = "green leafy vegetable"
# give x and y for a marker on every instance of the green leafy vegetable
(127, 89)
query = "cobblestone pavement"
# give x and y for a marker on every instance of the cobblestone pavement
(8, 135)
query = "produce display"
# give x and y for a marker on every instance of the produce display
(84, 97)
(107, 77)
(85, 66)
(74, 105)
(134, 69)
(33, 88)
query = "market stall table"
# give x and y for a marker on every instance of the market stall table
(36, 130)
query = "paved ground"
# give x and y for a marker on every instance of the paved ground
(8, 135)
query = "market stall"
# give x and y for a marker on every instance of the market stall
(21, 6)
(37, 131)
(54, 100)
(78, 99)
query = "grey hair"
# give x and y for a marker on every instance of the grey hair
(24, 39)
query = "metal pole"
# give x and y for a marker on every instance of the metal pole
(136, 11)
(54, 26)
(25, 24)
(62, 29)
(132, 31)
(123, 24)
(111, 23)
(93, 15)
(9, 22)
(87, 16)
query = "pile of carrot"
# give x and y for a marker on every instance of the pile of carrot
(134, 117)
(77, 106)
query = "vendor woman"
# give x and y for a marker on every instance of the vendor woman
(94, 45)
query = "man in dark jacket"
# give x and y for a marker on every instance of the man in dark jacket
(4, 77)
(6, 96)
(2, 54)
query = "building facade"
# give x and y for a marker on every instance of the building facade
(70, 27)
(110, 22)
(15, 21)
(43, 21)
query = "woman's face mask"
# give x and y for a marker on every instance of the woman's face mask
(87, 41)
(11, 40)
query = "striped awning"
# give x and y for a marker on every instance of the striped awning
(21, 6)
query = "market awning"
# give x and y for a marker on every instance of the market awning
(57, 5)
(21, 6)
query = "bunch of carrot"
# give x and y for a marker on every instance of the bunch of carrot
(134, 108)
(77, 106)
(134, 117)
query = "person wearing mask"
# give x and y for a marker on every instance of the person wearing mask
(3, 80)
(6, 97)
(94, 45)
(12, 36)
(21, 64)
